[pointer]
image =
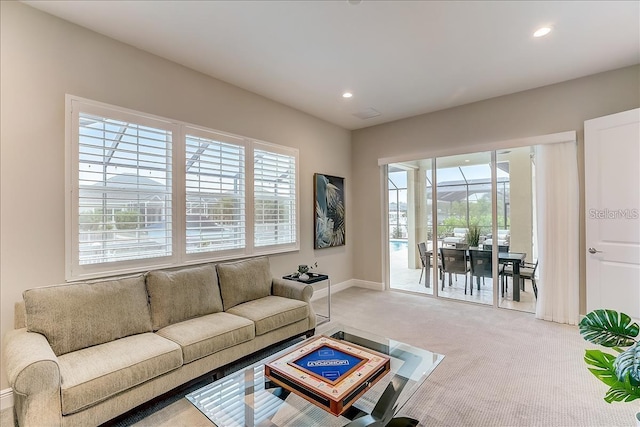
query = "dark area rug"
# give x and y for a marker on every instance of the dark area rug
(145, 410)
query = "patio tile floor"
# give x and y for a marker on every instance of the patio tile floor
(403, 278)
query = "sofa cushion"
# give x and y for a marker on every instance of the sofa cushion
(80, 315)
(272, 312)
(243, 281)
(94, 374)
(208, 334)
(177, 295)
(460, 232)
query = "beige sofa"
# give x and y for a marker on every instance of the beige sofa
(92, 351)
(503, 238)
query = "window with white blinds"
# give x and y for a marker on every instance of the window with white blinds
(149, 192)
(215, 188)
(124, 190)
(275, 216)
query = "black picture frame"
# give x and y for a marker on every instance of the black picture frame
(329, 211)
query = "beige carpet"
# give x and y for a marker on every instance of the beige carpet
(501, 367)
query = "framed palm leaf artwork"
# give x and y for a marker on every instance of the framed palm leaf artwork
(329, 216)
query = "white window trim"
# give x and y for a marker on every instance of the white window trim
(195, 258)
(264, 250)
(74, 271)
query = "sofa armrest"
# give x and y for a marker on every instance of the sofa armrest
(32, 367)
(19, 315)
(291, 289)
(34, 375)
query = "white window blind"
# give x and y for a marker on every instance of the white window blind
(230, 394)
(275, 216)
(148, 192)
(215, 190)
(124, 190)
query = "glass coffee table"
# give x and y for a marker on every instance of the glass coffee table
(247, 398)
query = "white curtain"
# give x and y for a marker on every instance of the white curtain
(557, 213)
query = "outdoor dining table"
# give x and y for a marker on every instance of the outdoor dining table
(513, 258)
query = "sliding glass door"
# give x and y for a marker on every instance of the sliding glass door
(483, 224)
(464, 192)
(409, 214)
(519, 214)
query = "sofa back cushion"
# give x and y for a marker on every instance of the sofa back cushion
(81, 315)
(503, 234)
(243, 281)
(182, 294)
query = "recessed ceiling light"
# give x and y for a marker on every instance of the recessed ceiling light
(347, 95)
(541, 32)
(467, 160)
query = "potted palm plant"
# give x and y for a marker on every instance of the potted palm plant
(473, 236)
(621, 372)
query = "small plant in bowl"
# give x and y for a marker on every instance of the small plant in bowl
(303, 270)
(621, 372)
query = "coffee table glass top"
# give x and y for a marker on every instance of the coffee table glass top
(247, 398)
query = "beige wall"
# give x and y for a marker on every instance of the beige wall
(43, 58)
(551, 109)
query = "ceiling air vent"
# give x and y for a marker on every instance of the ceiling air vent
(367, 113)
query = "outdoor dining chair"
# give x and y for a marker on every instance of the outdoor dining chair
(501, 248)
(481, 265)
(422, 250)
(454, 261)
(527, 272)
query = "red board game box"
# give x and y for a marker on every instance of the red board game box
(329, 373)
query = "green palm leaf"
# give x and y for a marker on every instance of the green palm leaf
(622, 392)
(628, 364)
(602, 366)
(603, 369)
(609, 328)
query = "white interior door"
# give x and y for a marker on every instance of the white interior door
(612, 201)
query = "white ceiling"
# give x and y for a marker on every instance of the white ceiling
(401, 58)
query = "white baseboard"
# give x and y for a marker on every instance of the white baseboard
(322, 292)
(319, 293)
(6, 399)
(374, 286)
